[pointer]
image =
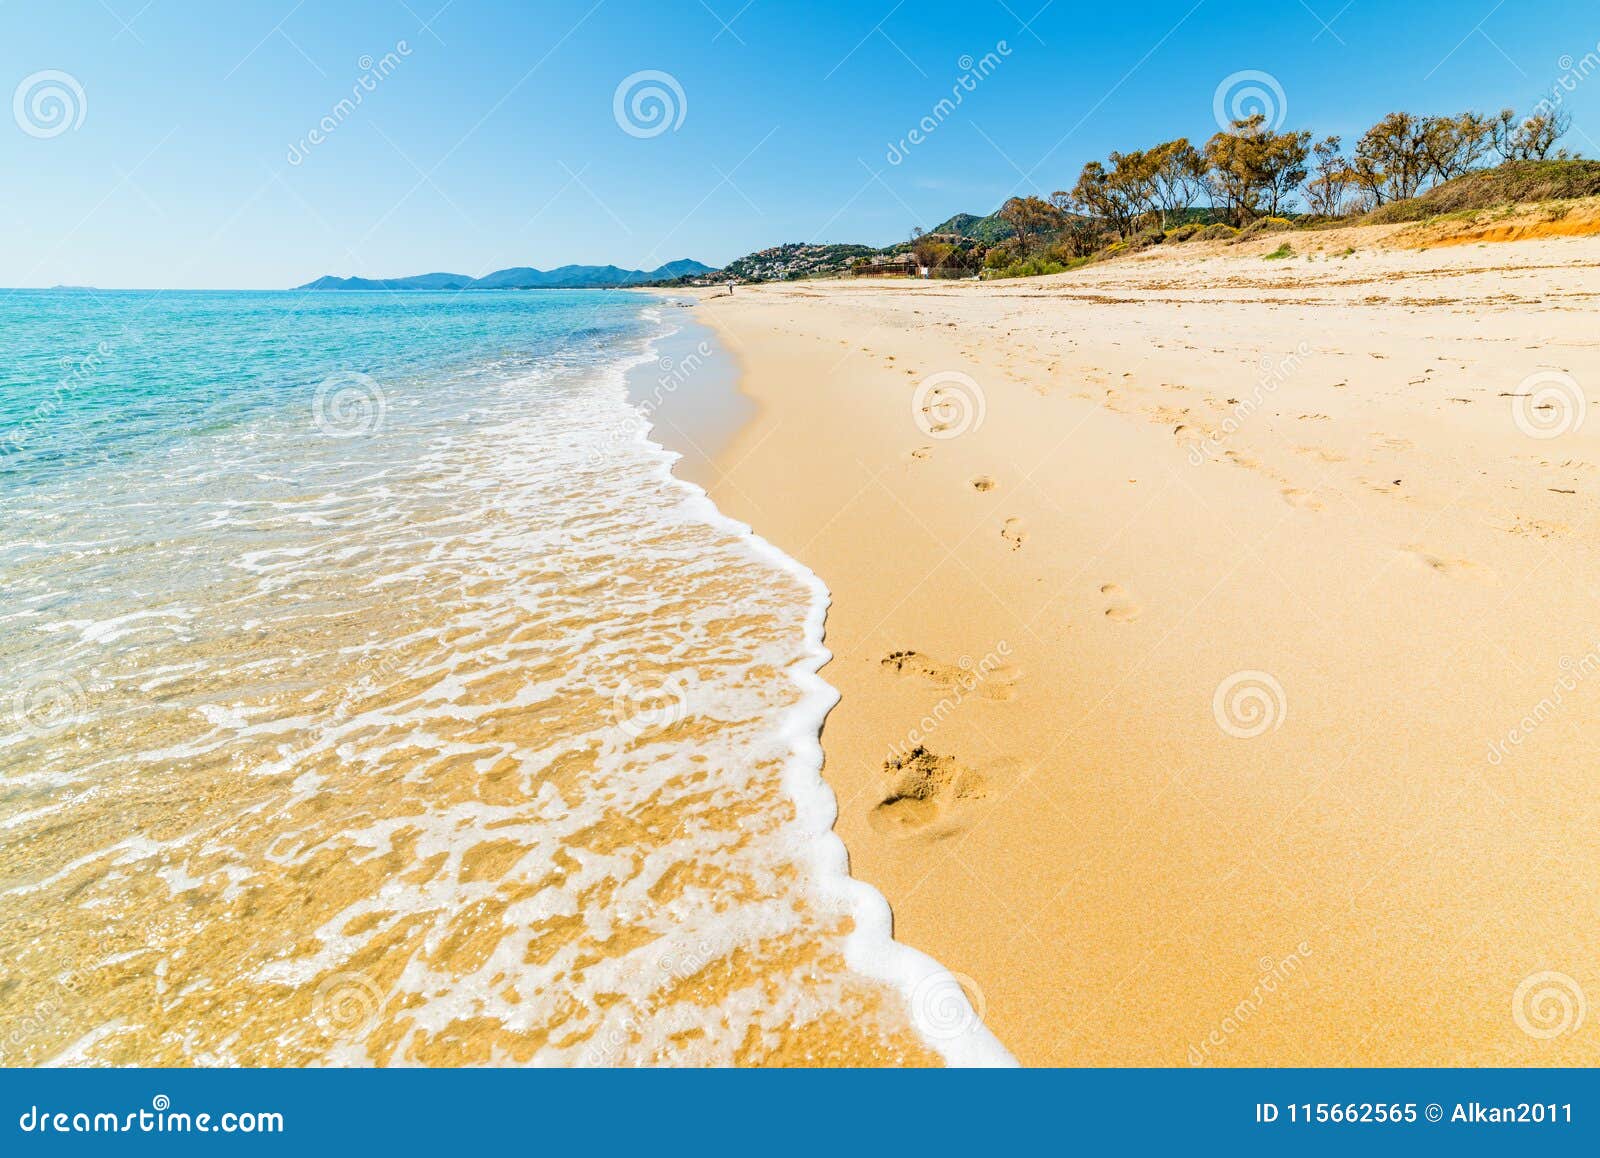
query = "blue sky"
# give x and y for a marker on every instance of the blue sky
(493, 139)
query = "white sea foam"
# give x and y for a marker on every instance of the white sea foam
(871, 948)
(380, 729)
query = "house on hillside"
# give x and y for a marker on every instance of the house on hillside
(887, 265)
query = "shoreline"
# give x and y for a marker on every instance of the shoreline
(1095, 834)
(692, 408)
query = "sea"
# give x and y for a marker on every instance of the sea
(373, 693)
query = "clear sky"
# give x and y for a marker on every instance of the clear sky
(179, 152)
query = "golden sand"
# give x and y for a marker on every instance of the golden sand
(1286, 576)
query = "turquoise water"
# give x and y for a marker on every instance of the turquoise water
(88, 379)
(374, 694)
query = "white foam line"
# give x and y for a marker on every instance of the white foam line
(939, 1008)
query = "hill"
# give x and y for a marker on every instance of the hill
(990, 230)
(796, 259)
(1513, 183)
(520, 277)
(422, 281)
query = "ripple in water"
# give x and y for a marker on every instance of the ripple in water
(472, 738)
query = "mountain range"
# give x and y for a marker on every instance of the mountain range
(518, 277)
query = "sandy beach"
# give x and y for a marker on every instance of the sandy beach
(1216, 636)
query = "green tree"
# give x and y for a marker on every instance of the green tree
(1331, 179)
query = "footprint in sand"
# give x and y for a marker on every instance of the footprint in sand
(1453, 568)
(927, 795)
(1122, 608)
(1320, 453)
(1303, 500)
(990, 680)
(1011, 531)
(983, 483)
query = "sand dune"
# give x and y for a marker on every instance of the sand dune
(1283, 573)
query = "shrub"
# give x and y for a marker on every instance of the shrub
(1283, 251)
(1033, 267)
(1217, 232)
(1264, 225)
(1513, 183)
(1185, 232)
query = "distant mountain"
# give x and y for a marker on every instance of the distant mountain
(990, 229)
(519, 277)
(423, 281)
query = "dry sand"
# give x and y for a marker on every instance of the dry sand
(1299, 485)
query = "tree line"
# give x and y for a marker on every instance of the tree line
(1250, 170)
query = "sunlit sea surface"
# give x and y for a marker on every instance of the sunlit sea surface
(374, 695)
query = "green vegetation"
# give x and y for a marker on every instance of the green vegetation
(1513, 183)
(1253, 180)
(795, 260)
(1245, 182)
